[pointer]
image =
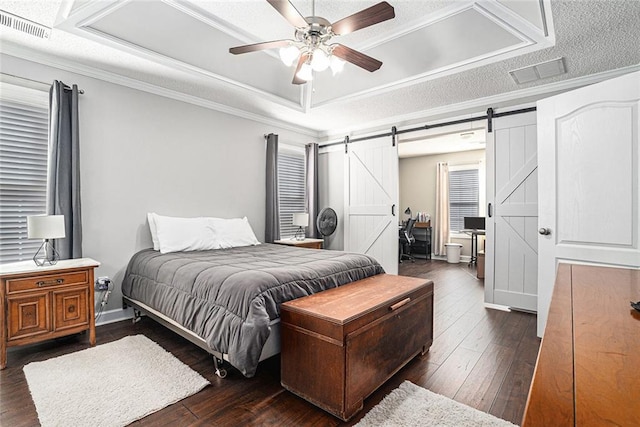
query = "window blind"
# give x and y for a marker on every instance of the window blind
(23, 175)
(464, 196)
(291, 190)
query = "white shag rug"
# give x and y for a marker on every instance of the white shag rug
(112, 384)
(410, 405)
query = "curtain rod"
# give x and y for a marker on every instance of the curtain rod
(489, 116)
(80, 91)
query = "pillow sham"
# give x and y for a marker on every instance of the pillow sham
(151, 218)
(233, 233)
(184, 234)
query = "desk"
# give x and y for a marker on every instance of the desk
(474, 243)
(422, 234)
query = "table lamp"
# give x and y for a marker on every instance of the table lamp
(301, 220)
(45, 227)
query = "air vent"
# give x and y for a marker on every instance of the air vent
(543, 70)
(24, 25)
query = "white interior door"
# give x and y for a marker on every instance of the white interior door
(589, 187)
(371, 201)
(511, 271)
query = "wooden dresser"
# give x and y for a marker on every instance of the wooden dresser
(340, 345)
(40, 303)
(588, 368)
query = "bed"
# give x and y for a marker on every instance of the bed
(228, 300)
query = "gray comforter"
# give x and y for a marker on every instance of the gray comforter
(229, 296)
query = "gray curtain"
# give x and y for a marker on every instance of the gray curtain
(311, 187)
(272, 220)
(63, 180)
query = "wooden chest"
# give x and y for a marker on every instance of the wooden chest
(340, 345)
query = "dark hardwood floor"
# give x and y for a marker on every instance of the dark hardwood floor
(483, 358)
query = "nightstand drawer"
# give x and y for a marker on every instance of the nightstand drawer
(46, 281)
(70, 308)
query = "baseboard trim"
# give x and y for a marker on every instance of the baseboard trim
(497, 307)
(463, 258)
(112, 316)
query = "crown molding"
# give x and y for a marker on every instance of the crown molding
(107, 76)
(479, 104)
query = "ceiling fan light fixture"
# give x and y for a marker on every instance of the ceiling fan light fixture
(306, 72)
(336, 64)
(289, 55)
(319, 61)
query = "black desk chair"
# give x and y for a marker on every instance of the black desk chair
(406, 240)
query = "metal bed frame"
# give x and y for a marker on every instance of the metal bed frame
(271, 347)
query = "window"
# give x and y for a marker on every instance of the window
(23, 168)
(290, 187)
(464, 196)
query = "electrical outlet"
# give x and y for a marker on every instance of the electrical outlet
(103, 283)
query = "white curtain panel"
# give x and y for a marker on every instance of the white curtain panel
(442, 208)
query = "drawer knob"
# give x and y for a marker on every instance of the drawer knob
(42, 283)
(399, 304)
(71, 308)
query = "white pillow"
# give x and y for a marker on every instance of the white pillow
(184, 234)
(232, 233)
(151, 217)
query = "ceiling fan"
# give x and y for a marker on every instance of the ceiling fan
(310, 46)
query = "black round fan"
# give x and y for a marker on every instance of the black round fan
(327, 222)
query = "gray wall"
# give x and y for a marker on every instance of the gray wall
(142, 152)
(418, 183)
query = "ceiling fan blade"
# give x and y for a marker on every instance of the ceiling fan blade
(290, 13)
(297, 80)
(365, 18)
(259, 46)
(356, 58)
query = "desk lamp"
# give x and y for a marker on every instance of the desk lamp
(301, 220)
(45, 227)
(408, 212)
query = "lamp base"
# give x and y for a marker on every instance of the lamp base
(46, 254)
(300, 234)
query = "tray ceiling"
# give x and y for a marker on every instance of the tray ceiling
(434, 53)
(421, 43)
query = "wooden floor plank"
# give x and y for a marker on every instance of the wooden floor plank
(465, 361)
(448, 379)
(483, 383)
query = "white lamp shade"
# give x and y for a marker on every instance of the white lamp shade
(301, 219)
(319, 61)
(289, 55)
(336, 64)
(45, 227)
(305, 73)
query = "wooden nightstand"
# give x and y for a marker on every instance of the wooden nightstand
(40, 303)
(306, 243)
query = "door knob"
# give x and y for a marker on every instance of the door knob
(544, 231)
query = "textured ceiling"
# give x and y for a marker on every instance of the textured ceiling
(592, 36)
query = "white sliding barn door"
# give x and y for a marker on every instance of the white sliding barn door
(511, 271)
(589, 181)
(371, 201)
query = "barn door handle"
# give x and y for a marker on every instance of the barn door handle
(489, 213)
(393, 210)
